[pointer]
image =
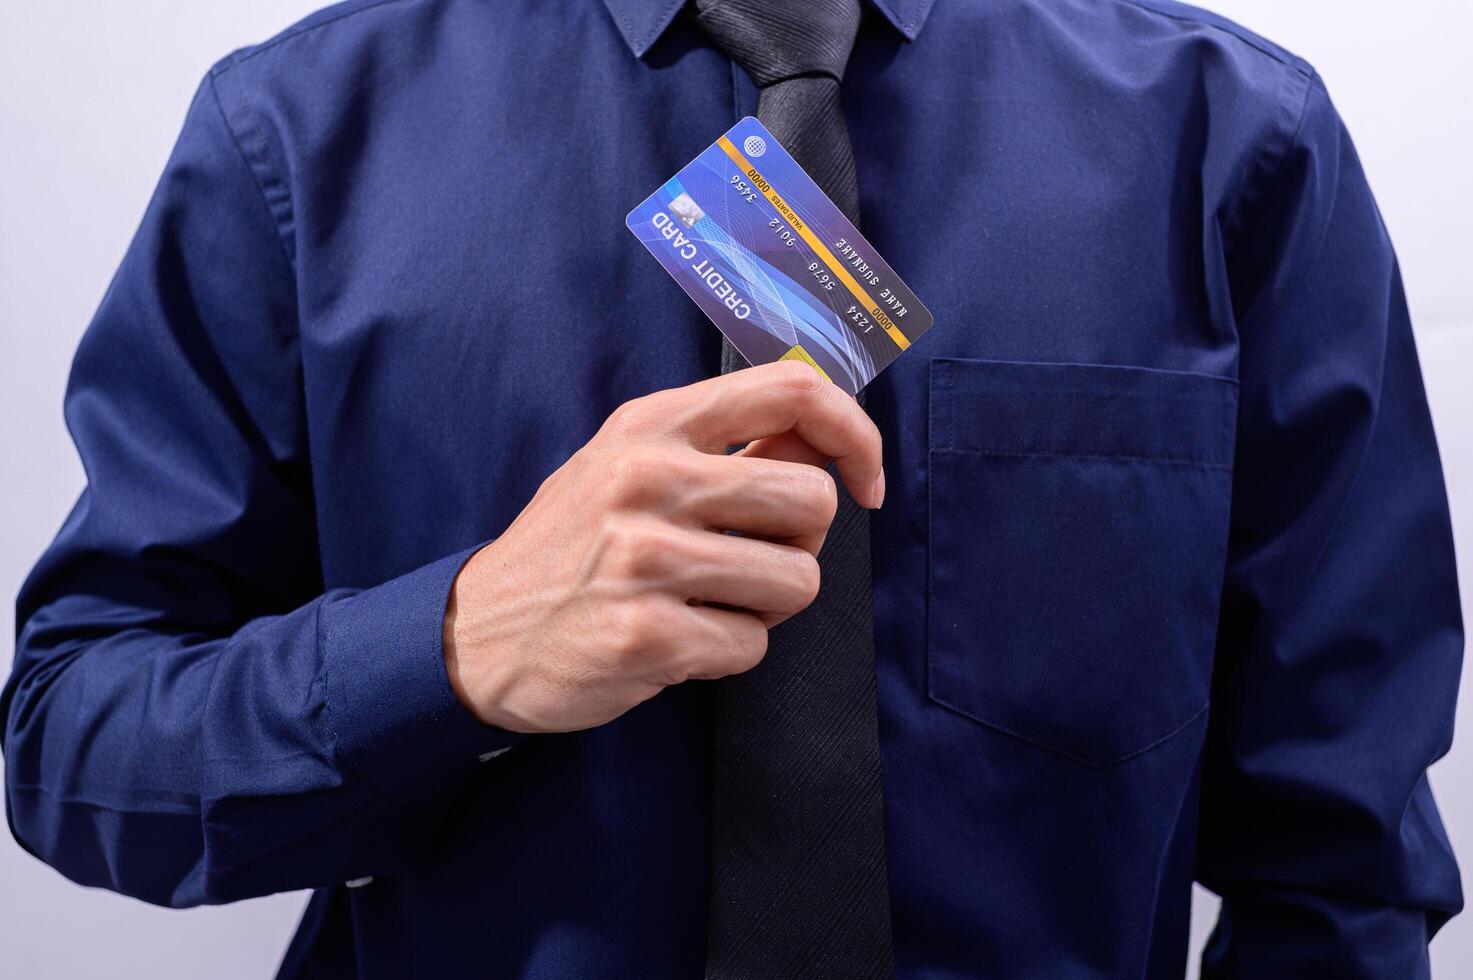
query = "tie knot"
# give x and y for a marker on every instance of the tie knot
(776, 40)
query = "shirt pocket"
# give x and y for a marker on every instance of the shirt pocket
(1078, 528)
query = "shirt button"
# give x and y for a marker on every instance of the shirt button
(359, 882)
(488, 756)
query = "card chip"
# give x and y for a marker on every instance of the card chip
(797, 353)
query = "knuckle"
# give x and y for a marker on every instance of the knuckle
(640, 548)
(663, 465)
(646, 552)
(750, 645)
(631, 472)
(824, 499)
(798, 376)
(620, 478)
(806, 579)
(626, 418)
(632, 628)
(617, 628)
(677, 672)
(682, 662)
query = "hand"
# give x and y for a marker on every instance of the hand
(617, 580)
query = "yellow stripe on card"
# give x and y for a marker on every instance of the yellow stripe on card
(840, 271)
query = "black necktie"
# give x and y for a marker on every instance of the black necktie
(798, 883)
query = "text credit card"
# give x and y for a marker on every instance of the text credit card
(775, 264)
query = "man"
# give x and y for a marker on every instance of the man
(400, 574)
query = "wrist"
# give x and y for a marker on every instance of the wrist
(482, 683)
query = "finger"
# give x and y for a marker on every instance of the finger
(771, 499)
(768, 578)
(788, 447)
(786, 396)
(722, 642)
(772, 579)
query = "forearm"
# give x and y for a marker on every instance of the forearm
(302, 750)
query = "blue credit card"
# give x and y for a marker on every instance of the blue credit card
(775, 264)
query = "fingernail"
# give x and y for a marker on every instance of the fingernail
(878, 493)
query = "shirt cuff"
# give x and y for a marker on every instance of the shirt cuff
(396, 719)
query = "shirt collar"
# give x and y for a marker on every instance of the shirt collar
(643, 21)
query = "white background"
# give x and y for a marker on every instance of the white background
(92, 94)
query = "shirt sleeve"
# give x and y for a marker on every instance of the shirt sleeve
(190, 719)
(1340, 640)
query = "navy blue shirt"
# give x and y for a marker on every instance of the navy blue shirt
(1164, 585)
